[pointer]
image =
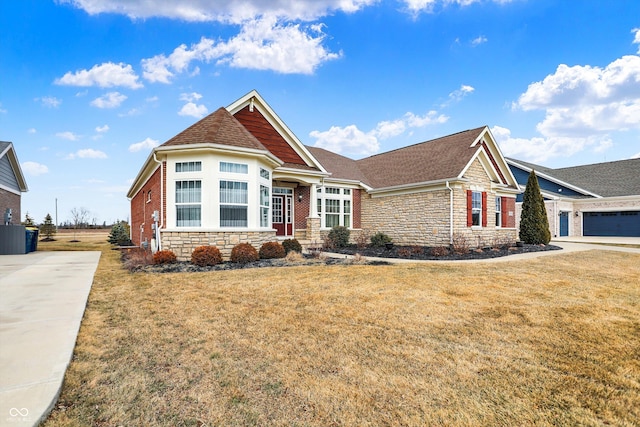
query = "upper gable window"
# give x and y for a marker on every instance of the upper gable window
(234, 167)
(188, 166)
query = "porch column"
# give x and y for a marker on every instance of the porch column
(313, 202)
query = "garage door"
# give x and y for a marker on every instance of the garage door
(624, 223)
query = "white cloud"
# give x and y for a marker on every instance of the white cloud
(109, 100)
(35, 169)
(636, 38)
(49, 101)
(540, 149)
(147, 144)
(152, 99)
(107, 74)
(417, 6)
(2, 110)
(347, 139)
(479, 40)
(262, 44)
(102, 129)
(32, 130)
(458, 94)
(636, 156)
(220, 10)
(191, 109)
(351, 140)
(70, 136)
(87, 153)
(190, 97)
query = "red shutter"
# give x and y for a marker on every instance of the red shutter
(504, 216)
(469, 204)
(484, 208)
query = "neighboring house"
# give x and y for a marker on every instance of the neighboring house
(601, 199)
(241, 175)
(12, 182)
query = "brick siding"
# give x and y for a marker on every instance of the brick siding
(12, 201)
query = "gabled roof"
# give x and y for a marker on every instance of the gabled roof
(340, 167)
(8, 153)
(609, 179)
(219, 127)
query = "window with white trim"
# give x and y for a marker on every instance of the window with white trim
(188, 200)
(188, 166)
(334, 206)
(234, 201)
(476, 208)
(265, 196)
(234, 167)
(498, 211)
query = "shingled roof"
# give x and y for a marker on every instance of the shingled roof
(219, 127)
(609, 179)
(339, 166)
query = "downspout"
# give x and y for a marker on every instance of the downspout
(157, 232)
(450, 213)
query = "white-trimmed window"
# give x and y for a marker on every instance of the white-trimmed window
(498, 211)
(188, 166)
(265, 198)
(234, 201)
(476, 208)
(234, 167)
(334, 206)
(188, 203)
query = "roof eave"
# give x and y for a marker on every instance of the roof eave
(10, 152)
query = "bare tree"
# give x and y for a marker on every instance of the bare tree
(80, 216)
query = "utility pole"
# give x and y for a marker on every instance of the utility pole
(56, 214)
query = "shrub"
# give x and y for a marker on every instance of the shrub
(136, 258)
(380, 239)
(404, 252)
(439, 251)
(339, 236)
(294, 257)
(164, 257)
(272, 250)
(206, 255)
(534, 224)
(460, 244)
(362, 239)
(120, 234)
(292, 245)
(244, 253)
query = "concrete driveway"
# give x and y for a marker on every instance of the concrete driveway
(42, 300)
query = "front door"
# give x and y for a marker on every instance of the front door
(564, 224)
(282, 208)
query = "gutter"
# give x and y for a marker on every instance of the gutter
(450, 212)
(157, 231)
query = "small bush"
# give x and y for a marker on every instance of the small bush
(339, 236)
(404, 252)
(164, 257)
(244, 253)
(272, 250)
(460, 244)
(439, 251)
(294, 257)
(417, 250)
(362, 239)
(206, 255)
(292, 245)
(136, 258)
(380, 239)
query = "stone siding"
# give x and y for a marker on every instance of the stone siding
(182, 243)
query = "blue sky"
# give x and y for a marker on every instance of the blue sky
(88, 87)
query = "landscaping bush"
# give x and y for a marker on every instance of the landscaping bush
(136, 258)
(206, 255)
(439, 251)
(380, 239)
(120, 234)
(164, 257)
(292, 245)
(339, 236)
(460, 244)
(244, 253)
(272, 250)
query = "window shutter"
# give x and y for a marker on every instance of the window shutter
(505, 214)
(469, 204)
(484, 208)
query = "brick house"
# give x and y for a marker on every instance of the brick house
(12, 182)
(601, 199)
(241, 175)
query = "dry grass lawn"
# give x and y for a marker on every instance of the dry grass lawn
(554, 341)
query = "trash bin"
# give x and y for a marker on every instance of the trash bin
(32, 240)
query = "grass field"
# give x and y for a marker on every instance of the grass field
(553, 341)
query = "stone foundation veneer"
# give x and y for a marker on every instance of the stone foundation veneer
(182, 243)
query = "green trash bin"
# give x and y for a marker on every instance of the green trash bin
(32, 240)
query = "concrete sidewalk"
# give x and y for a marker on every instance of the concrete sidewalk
(43, 296)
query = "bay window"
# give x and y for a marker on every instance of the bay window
(234, 201)
(188, 203)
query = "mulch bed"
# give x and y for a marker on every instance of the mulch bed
(399, 252)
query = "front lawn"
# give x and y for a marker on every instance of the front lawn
(553, 341)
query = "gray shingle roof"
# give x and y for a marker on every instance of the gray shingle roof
(609, 179)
